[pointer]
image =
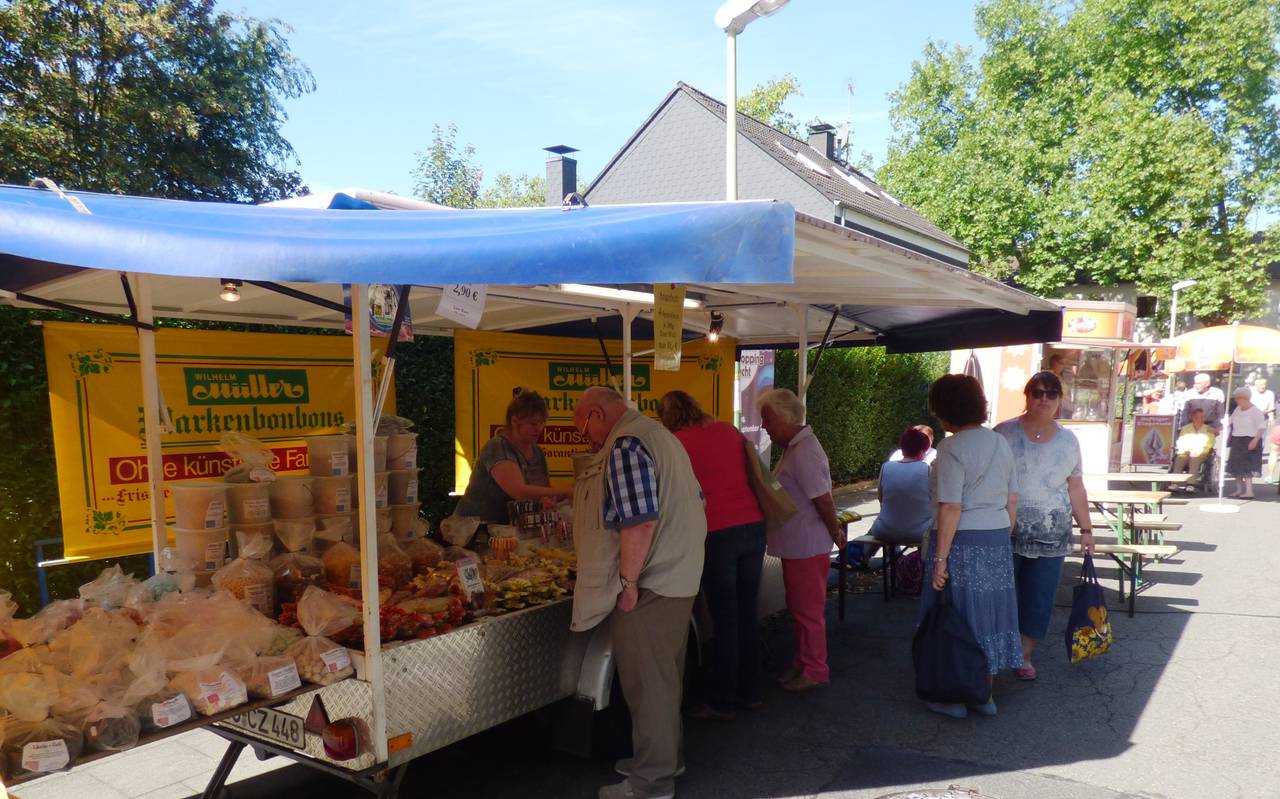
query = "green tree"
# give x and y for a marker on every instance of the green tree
(447, 174)
(514, 191)
(767, 103)
(1109, 141)
(167, 98)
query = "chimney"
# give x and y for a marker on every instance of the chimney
(822, 137)
(562, 174)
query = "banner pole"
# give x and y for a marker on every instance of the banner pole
(151, 412)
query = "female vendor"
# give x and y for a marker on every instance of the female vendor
(511, 466)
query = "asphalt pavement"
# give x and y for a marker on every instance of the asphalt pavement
(1185, 706)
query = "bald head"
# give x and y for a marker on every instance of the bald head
(596, 412)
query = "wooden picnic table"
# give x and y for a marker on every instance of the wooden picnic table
(1154, 479)
(1123, 519)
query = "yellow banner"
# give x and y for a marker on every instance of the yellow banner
(668, 326)
(488, 365)
(275, 388)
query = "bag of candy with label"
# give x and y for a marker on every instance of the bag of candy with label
(39, 747)
(213, 690)
(254, 456)
(394, 567)
(342, 566)
(158, 706)
(109, 727)
(269, 677)
(319, 659)
(295, 571)
(248, 577)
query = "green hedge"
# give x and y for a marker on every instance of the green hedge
(28, 476)
(860, 401)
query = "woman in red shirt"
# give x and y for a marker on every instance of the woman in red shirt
(734, 553)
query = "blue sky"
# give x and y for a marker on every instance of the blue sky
(518, 76)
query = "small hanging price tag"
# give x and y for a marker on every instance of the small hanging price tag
(469, 573)
(463, 303)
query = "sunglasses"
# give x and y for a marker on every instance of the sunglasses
(1045, 393)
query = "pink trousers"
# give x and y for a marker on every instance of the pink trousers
(805, 580)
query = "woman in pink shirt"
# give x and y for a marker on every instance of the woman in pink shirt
(734, 553)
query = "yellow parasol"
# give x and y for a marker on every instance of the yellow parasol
(1226, 344)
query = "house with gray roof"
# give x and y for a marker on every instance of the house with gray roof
(677, 155)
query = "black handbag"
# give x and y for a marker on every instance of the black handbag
(951, 667)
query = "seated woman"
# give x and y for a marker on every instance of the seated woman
(511, 466)
(929, 454)
(1194, 444)
(905, 509)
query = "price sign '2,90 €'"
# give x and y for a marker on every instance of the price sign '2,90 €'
(463, 303)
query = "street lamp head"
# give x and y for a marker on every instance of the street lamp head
(1185, 284)
(736, 15)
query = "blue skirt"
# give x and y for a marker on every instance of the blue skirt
(980, 568)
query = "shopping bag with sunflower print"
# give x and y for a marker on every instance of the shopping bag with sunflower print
(1088, 630)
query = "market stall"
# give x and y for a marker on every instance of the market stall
(408, 698)
(1096, 341)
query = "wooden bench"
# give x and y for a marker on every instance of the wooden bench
(1132, 570)
(887, 574)
(1144, 524)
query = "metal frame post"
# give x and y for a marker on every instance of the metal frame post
(628, 312)
(802, 348)
(151, 411)
(365, 431)
(731, 119)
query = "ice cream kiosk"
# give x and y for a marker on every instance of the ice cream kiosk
(1097, 339)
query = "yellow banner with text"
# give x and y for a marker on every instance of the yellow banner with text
(487, 366)
(276, 388)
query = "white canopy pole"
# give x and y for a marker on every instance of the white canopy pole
(151, 412)
(629, 312)
(1224, 435)
(365, 430)
(802, 320)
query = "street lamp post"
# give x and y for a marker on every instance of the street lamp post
(733, 17)
(1173, 328)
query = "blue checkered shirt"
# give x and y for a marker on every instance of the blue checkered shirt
(632, 496)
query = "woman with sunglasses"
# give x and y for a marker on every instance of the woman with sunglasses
(1050, 492)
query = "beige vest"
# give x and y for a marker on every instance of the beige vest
(674, 565)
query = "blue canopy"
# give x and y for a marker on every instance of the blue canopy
(749, 242)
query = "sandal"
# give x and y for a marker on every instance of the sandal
(1025, 673)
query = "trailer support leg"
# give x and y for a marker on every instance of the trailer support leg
(219, 778)
(391, 786)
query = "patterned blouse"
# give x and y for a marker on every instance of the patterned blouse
(1044, 508)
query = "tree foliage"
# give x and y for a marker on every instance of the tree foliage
(1105, 141)
(165, 98)
(446, 173)
(767, 103)
(514, 191)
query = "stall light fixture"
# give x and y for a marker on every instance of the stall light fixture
(717, 325)
(620, 295)
(231, 290)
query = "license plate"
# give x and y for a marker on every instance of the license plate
(272, 725)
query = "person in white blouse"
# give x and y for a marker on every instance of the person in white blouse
(1247, 426)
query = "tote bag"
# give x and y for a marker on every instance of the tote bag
(1088, 630)
(951, 667)
(774, 501)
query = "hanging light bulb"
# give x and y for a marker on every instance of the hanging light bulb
(717, 325)
(231, 290)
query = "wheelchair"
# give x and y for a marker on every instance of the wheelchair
(1205, 481)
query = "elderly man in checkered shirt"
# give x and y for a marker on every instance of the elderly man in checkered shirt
(639, 529)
